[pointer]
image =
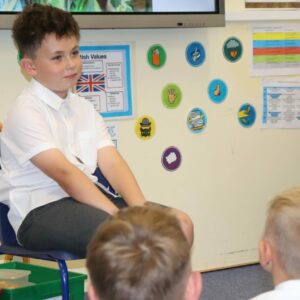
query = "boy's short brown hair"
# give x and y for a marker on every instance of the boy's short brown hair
(283, 229)
(36, 21)
(140, 253)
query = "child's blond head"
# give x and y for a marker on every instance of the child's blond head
(283, 230)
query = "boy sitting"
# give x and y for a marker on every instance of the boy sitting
(53, 140)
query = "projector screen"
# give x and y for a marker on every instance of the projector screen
(128, 13)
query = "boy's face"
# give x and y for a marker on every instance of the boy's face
(57, 64)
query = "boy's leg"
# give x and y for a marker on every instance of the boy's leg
(65, 224)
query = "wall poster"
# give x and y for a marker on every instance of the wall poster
(106, 79)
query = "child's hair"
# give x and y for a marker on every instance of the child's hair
(140, 253)
(283, 229)
(36, 21)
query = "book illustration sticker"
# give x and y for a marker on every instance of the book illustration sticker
(195, 54)
(171, 96)
(171, 159)
(217, 90)
(246, 115)
(145, 127)
(232, 49)
(196, 120)
(156, 56)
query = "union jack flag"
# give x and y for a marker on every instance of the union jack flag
(90, 83)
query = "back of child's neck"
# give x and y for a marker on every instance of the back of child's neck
(280, 277)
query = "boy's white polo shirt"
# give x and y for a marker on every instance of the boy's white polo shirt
(287, 290)
(40, 120)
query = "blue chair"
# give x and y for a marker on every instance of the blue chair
(10, 246)
(103, 182)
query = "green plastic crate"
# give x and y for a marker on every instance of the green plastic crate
(46, 281)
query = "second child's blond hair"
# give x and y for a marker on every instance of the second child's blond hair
(283, 230)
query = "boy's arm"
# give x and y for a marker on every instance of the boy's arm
(54, 164)
(119, 175)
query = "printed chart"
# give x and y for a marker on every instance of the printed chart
(281, 104)
(276, 50)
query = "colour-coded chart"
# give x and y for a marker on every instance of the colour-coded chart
(276, 50)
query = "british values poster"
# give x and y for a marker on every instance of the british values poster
(106, 79)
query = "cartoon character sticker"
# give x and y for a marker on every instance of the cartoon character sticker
(171, 95)
(145, 127)
(171, 159)
(246, 115)
(217, 90)
(156, 56)
(232, 49)
(195, 54)
(196, 120)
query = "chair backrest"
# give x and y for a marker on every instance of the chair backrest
(104, 182)
(7, 234)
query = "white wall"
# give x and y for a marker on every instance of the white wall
(228, 172)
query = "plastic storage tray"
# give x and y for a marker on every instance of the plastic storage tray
(46, 283)
(12, 278)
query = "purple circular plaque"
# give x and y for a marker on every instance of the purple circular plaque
(171, 158)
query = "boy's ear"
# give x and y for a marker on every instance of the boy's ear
(28, 66)
(91, 292)
(265, 255)
(193, 286)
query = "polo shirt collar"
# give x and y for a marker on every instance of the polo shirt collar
(47, 96)
(291, 285)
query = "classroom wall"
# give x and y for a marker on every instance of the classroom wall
(228, 172)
